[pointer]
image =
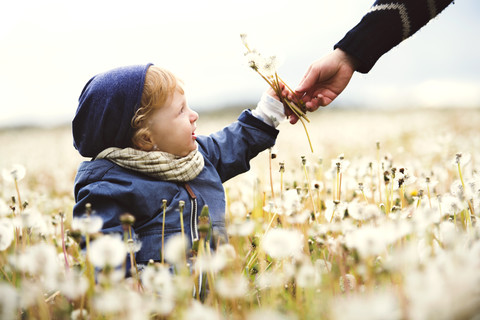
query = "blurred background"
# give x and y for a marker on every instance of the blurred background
(50, 49)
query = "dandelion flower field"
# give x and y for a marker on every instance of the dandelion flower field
(380, 222)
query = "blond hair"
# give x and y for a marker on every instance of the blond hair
(160, 84)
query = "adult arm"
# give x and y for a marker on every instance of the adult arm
(384, 26)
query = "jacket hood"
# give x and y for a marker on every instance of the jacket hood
(105, 110)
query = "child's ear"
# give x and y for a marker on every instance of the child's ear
(145, 142)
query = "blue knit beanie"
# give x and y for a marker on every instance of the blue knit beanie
(106, 107)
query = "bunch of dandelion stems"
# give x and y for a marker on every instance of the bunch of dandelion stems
(274, 82)
(468, 218)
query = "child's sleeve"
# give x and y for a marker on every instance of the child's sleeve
(104, 204)
(270, 110)
(231, 149)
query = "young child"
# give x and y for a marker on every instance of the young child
(135, 124)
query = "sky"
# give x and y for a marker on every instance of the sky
(50, 49)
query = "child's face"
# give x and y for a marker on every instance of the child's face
(172, 126)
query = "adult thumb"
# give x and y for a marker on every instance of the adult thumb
(305, 84)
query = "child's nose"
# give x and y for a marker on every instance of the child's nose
(193, 116)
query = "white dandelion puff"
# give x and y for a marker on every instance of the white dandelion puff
(108, 301)
(282, 243)
(6, 234)
(108, 250)
(372, 306)
(232, 287)
(241, 228)
(175, 250)
(307, 276)
(216, 262)
(5, 209)
(87, 224)
(158, 278)
(348, 282)
(78, 314)
(15, 173)
(198, 311)
(291, 202)
(271, 279)
(461, 159)
(8, 301)
(74, 285)
(270, 314)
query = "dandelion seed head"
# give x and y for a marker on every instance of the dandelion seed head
(175, 249)
(241, 228)
(134, 245)
(74, 285)
(113, 276)
(450, 204)
(307, 276)
(372, 306)
(6, 234)
(108, 301)
(238, 209)
(79, 314)
(39, 260)
(233, 286)
(323, 267)
(216, 262)
(15, 173)
(36, 222)
(8, 301)
(107, 251)
(5, 209)
(299, 217)
(270, 279)
(87, 224)
(270, 314)
(334, 210)
(462, 159)
(29, 293)
(291, 202)
(254, 59)
(447, 233)
(157, 278)
(348, 282)
(367, 240)
(199, 311)
(283, 243)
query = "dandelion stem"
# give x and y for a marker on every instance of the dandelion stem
(379, 173)
(182, 206)
(89, 267)
(64, 249)
(470, 207)
(428, 193)
(20, 205)
(164, 205)
(309, 185)
(133, 262)
(402, 196)
(270, 170)
(340, 187)
(391, 194)
(282, 170)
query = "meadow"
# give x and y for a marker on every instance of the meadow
(379, 222)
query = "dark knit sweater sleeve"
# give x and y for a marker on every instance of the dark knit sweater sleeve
(385, 25)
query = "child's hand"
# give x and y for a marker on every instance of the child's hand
(272, 93)
(285, 93)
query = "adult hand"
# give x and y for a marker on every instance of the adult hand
(324, 80)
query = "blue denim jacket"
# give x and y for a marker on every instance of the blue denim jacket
(113, 191)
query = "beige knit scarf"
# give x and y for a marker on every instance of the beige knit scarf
(157, 164)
